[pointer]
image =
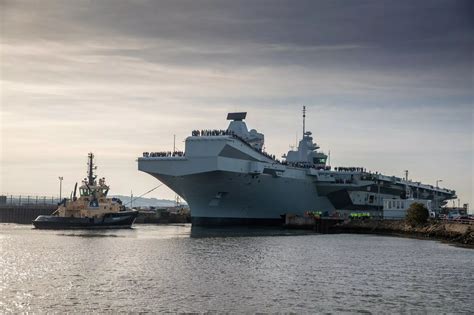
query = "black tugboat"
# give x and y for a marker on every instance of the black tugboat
(92, 210)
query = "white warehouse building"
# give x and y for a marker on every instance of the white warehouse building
(397, 208)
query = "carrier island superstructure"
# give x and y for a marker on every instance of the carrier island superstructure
(227, 178)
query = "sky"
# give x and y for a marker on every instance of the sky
(388, 85)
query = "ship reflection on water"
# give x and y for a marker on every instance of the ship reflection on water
(185, 269)
(166, 231)
(244, 231)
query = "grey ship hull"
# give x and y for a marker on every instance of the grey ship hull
(225, 181)
(232, 198)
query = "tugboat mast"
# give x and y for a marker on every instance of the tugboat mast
(90, 174)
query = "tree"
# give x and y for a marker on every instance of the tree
(417, 214)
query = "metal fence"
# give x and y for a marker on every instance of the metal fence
(27, 200)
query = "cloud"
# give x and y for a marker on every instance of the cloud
(120, 78)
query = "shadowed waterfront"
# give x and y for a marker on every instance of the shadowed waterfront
(177, 268)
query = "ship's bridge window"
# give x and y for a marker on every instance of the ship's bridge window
(319, 160)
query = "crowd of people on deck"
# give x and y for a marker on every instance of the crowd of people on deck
(307, 165)
(211, 132)
(349, 169)
(163, 154)
(221, 132)
(216, 132)
(323, 168)
(270, 156)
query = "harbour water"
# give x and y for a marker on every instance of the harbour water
(177, 268)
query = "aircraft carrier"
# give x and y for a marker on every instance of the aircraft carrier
(226, 177)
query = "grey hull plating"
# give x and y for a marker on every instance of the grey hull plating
(234, 198)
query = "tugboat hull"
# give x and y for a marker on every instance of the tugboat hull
(119, 220)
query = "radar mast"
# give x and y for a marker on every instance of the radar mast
(304, 120)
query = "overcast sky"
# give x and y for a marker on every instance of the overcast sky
(388, 84)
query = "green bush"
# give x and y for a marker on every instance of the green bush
(417, 214)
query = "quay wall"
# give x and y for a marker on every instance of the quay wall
(24, 214)
(162, 218)
(319, 225)
(459, 233)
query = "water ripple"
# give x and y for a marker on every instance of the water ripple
(176, 269)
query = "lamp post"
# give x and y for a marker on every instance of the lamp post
(438, 181)
(60, 187)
